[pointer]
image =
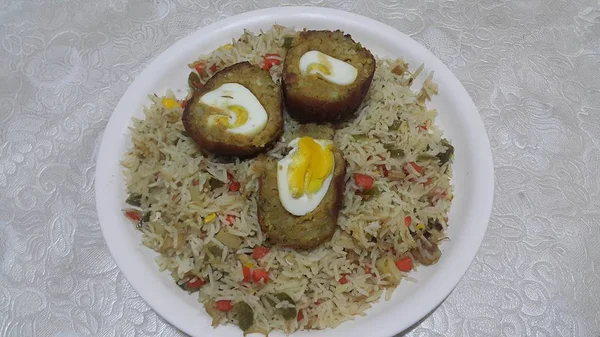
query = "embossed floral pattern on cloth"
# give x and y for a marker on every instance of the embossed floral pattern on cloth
(532, 68)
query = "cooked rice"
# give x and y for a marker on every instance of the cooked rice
(166, 169)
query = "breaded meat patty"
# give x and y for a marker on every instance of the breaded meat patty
(299, 232)
(238, 112)
(325, 77)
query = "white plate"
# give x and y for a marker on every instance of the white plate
(458, 117)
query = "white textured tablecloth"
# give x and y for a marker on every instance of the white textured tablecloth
(532, 68)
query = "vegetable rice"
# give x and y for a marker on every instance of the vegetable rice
(199, 212)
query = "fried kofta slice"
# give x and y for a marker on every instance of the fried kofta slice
(299, 232)
(238, 112)
(325, 76)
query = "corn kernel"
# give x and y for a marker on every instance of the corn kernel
(420, 226)
(249, 265)
(210, 217)
(225, 47)
(170, 103)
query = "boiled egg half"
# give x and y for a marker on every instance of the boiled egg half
(331, 69)
(304, 175)
(236, 108)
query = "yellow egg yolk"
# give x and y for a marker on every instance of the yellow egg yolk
(241, 117)
(324, 65)
(310, 166)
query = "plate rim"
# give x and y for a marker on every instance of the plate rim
(389, 326)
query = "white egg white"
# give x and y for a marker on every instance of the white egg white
(230, 94)
(305, 203)
(341, 73)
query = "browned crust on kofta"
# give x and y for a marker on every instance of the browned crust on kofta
(308, 98)
(219, 141)
(299, 232)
